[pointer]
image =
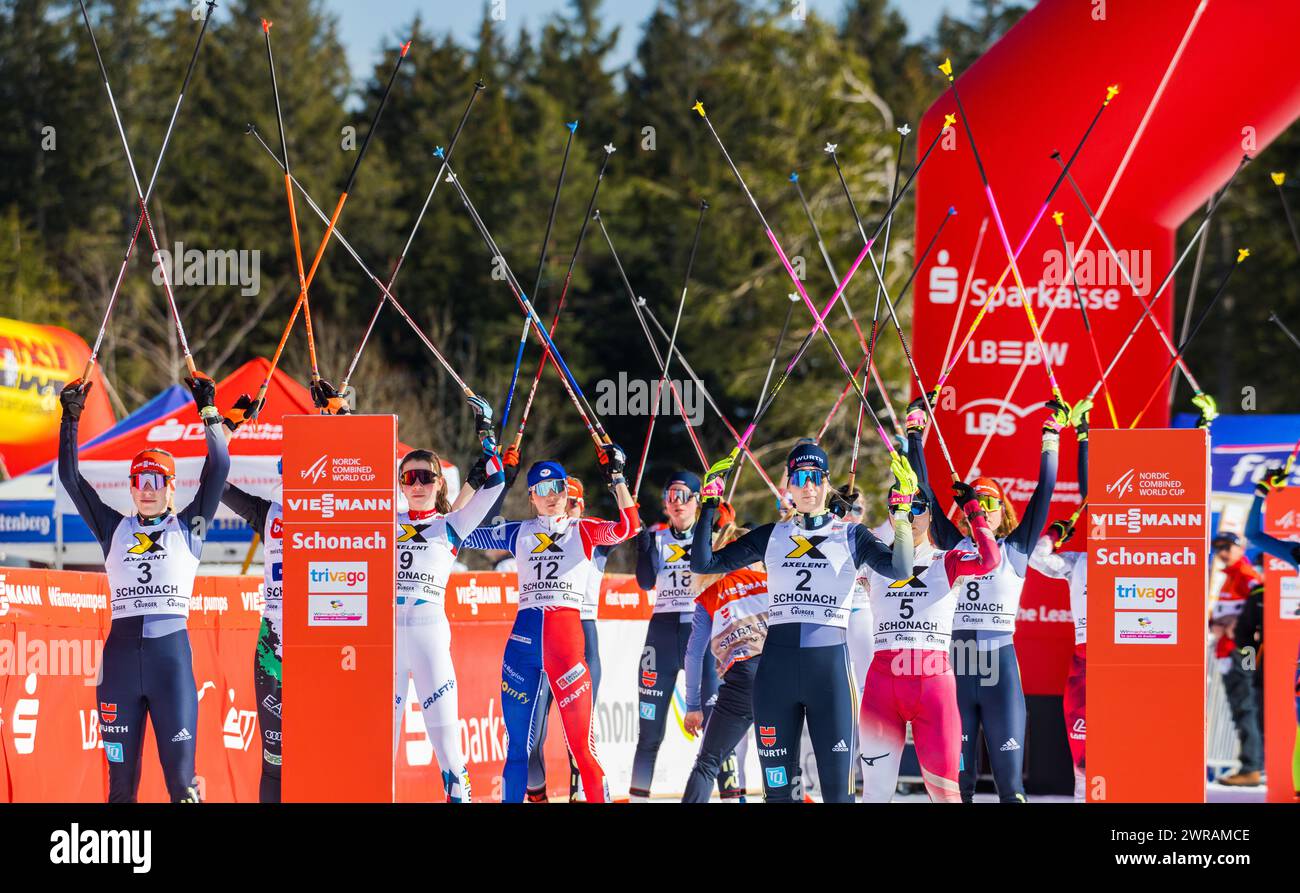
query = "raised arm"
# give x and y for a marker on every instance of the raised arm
(748, 549)
(696, 646)
(479, 506)
(499, 536)
(253, 509)
(1274, 478)
(101, 519)
(986, 557)
(946, 535)
(610, 533)
(1020, 542)
(647, 559)
(212, 480)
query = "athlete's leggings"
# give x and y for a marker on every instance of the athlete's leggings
(268, 682)
(805, 683)
(546, 647)
(154, 677)
(918, 687)
(662, 659)
(536, 759)
(424, 654)
(1076, 727)
(989, 696)
(725, 730)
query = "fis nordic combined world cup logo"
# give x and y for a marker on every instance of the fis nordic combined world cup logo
(316, 470)
(1122, 485)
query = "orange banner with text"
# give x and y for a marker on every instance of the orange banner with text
(340, 504)
(52, 629)
(1148, 547)
(1281, 652)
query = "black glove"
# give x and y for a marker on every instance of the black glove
(1274, 479)
(203, 389)
(964, 494)
(612, 461)
(73, 398)
(243, 410)
(476, 477)
(327, 399)
(512, 472)
(1061, 531)
(842, 500)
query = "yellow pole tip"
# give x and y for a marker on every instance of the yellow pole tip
(699, 107)
(1279, 177)
(1242, 254)
(949, 120)
(1058, 216)
(946, 68)
(1111, 92)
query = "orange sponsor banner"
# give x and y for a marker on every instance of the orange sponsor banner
(340, 515)
(1148, 548)
(1281, 652)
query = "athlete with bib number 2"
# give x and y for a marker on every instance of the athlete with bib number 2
(151, 558)
(989, 693)
(553, 553)
(812, 561)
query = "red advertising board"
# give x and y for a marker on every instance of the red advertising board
(1148, 567)
(340, 511)
(1281, 652)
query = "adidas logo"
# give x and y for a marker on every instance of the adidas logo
(1012, 744)
(840, 748)
(182, 735)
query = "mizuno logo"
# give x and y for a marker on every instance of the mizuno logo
(871, 761)
(806, 546)
(413, 533)
(913, 582)
(678, 553)
(146, 543)
(545, 543)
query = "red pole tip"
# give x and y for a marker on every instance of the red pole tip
(266, 26)
(406, 46)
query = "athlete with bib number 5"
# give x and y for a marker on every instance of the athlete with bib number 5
(812, 561)
(553, 553)
(151, 558)
(989, 693)
(910, 679)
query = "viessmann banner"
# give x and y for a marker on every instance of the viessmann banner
(340, 510)
(1148, 545)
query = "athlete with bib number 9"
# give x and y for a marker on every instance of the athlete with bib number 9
(812, 561)
(989, 693)
(553, 553)
(151, 558)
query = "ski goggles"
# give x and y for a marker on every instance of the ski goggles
(919, 509)
(990, 503)
(553, 487)
(679, 495)
(801, 477)
(413, 476)
(149, 480)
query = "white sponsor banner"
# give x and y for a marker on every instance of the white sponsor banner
(1146, 627)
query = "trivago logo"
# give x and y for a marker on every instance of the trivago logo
(1146, 593)
(326, 577)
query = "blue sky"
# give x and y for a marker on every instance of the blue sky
(368, 25)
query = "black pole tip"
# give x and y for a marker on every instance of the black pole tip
(1055, 155)
(252, 128)
(479, 85)
(596, 214)
(704, 204)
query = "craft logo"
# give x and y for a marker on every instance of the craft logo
(337, 576)
(316, 470)
(1146, 592)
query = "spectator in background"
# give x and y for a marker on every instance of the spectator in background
(1238, 667)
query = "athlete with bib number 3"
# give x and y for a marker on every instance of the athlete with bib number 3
(151, 558)
(553, 553)
(812, 562)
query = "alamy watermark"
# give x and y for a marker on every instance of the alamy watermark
(242, 267)
(636, 397)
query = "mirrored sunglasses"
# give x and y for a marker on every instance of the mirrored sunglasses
(678, 494)
(150, 480)
(990, 503)
(549, 488)
(413, 476)
(801, 477)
